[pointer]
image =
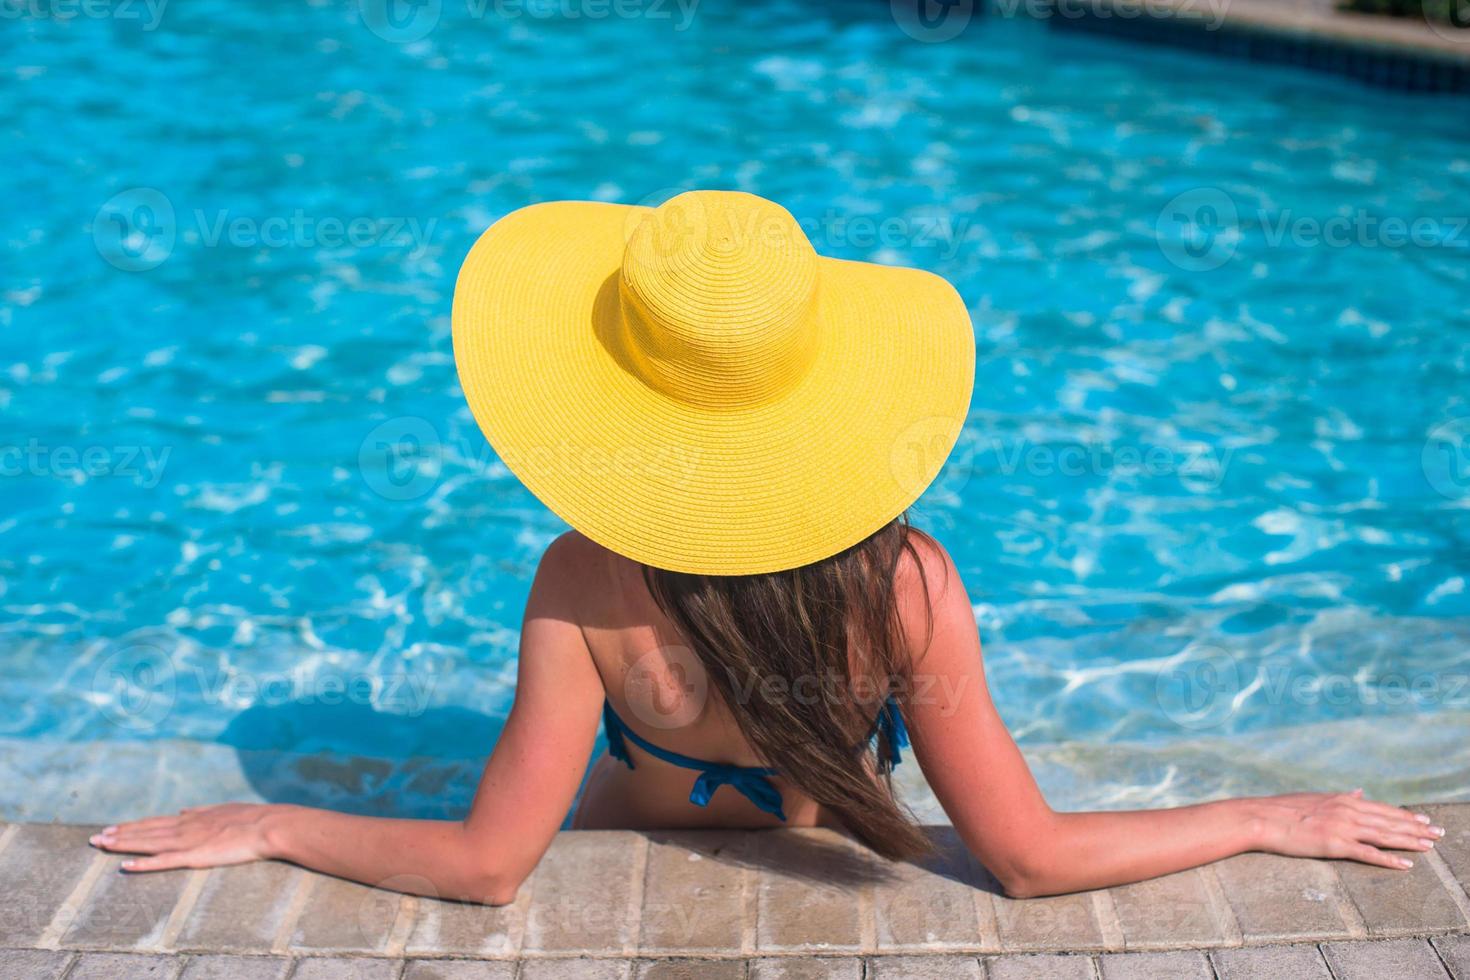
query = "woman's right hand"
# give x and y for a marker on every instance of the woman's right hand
(1341, 825)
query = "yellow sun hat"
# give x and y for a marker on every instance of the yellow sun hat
(693, 387)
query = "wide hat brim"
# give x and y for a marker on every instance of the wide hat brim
(718, 491)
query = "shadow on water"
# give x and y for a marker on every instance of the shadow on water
(350, 757)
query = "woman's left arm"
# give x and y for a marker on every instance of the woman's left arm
(525, 791)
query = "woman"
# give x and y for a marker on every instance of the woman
(734, 427)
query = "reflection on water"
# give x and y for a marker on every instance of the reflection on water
(1213, 481)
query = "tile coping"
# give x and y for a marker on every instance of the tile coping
(719, 895)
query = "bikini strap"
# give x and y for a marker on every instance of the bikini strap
(894, 733)
(750, 781)
(614, 727)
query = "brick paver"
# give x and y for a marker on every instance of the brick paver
(1155, 966)
(459, 970)
(1384, 960)
(213, 967)
(1302, 962)
(124, 966)
(1455, 952)
(806, 968)
(688, 969)
(36, 964)
(577, 969)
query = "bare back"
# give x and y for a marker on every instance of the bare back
(658, 687)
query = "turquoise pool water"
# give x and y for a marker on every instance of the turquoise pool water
(1214, 485)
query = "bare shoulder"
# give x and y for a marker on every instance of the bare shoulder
(931, 597)
(926, 574)
(577, 573)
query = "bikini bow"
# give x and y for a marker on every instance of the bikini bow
(753, 786)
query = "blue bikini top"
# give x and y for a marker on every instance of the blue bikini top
(752, 782)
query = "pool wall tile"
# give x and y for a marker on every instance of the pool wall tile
(1401, 903)
(586, 893)
(466, 929)
(1282, 898)
(1168, 912)
(41, 866)
(940, 903)
(1454, 847)
(698, 893)
(242, 908)
(1048, 924)
(123, 911)
(346, 917)
(814, 892)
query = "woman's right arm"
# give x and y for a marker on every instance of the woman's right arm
(981, 779)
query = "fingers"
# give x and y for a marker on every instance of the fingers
(126, 840)
(1368, 854)
(1407, 829)
(1387, 811)
(151, 823)
(1398, 841)
(166, 861)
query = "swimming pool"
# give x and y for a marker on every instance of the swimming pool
(1212, 503)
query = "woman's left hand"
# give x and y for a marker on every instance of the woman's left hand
(198, 837)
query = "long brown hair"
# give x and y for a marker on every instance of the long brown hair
(804, 659)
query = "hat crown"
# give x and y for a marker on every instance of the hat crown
(718, 292)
